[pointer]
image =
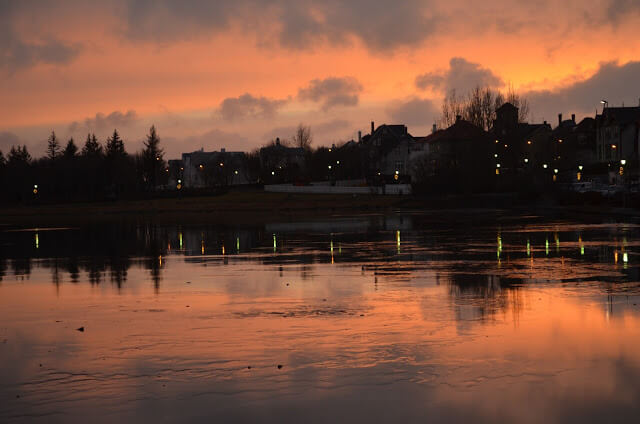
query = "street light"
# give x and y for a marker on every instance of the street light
(580, 167)
(623, 162)
(605, 103)
(555, 171)
(526, 160)
(329, 166)
(544, 166)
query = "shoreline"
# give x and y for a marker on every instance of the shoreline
(258, 207)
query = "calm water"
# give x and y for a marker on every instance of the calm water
(374, 319)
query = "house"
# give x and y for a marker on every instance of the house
(207, 169)
(281, 163)
(617, 134)
(520, 145)
(573, 144)
(459, 157)
(388, 150)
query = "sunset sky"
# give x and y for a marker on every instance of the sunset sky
(237, 73)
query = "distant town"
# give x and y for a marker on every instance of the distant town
(477, 148)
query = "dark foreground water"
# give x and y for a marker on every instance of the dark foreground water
(370, 319)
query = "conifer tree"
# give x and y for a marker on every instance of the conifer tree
(152, 156)
(53, 146)
(91, 146)
(71, 149)
(115, 146)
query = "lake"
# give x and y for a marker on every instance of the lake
(438, 317)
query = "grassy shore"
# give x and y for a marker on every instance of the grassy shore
(258, 207)
(234, 207)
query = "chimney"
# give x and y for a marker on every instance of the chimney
(223, 150)
(277, 141)
(573, 118)
(559, 119)
(545, 122)
(372, 127)
(359, 136)
(433, 129)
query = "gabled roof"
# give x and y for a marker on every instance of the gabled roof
(587, 124)
(395, 130)
(460, 131)
(621, 115)
(390, 136)
(525, 130)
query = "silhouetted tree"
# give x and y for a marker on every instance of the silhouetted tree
(53, 146)
(115, 146)
(152, 159)
(479, 106)
(19, 155)
(3, 161)
(91, 146)
(302, 137)
(70, 150)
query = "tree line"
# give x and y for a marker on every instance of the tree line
(95, 171)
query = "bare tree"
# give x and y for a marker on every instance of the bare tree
(480, 105)
(302, 137)
(452, 106)
(520, 102)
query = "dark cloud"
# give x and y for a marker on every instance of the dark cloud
(613, 82)
(330, 92)
(377, 23)
(300, 23)
(101, 122)
(618, 10)
(416, 111)
(169, 20)
(461, 76)
(249, 106)
(16, 53)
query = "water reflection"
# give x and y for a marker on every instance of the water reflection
(392, 318)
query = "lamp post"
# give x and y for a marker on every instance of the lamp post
(605, 103)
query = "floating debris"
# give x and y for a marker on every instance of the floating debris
(81, 329)
(279, 366)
